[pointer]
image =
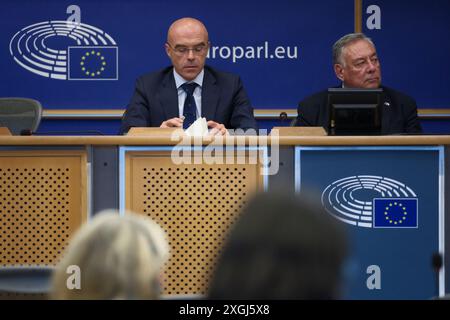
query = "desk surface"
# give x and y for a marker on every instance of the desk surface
(241, 140)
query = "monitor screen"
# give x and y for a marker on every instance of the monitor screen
(354, 111)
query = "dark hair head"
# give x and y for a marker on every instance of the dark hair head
(283, 247)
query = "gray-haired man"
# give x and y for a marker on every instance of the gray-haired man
(356, 65)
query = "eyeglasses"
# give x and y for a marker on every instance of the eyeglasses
(182, 50)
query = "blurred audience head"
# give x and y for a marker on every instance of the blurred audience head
(118, 257)
(284, 246)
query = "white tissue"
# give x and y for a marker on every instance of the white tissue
(198, 129)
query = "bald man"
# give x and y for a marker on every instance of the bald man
(178, 95)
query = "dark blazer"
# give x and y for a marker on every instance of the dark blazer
(399, 114)
(155, 100)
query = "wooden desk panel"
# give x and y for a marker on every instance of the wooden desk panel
(196, 204)
(42, 202)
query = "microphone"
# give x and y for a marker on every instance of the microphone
(283, 116)
(26, 132)
(301, 117)
(436, 263)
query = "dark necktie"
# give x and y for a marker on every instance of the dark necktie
(190, 108)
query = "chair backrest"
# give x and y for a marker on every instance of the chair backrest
(19, 114)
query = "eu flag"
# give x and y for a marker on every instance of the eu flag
(93, 63)
(395, 213)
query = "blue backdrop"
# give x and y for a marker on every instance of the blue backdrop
(293, 39)
(414, 47)
(304, 32)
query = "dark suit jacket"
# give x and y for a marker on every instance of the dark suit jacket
(155, 100)
(399, 114)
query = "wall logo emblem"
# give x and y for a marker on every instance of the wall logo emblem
(64, 50)
(372, 202)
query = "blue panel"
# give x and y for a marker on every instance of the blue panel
(248, 37)
(77, 127)
(347, 181)
(413, 47)
(436, 126)
(111, 127)
(280, 48)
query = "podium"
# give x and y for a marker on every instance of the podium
(51, 185)
(196, 204)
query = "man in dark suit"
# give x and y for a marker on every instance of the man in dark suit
(356, 64)
(176, 96)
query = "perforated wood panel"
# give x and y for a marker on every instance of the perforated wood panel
(42, 202)
(195, 204)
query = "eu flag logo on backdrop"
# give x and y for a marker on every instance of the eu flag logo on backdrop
(93, 63)
(395, 213)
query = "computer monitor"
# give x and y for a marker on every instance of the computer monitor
(354, 111)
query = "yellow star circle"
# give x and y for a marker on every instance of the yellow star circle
(93, 56)
(395, 220)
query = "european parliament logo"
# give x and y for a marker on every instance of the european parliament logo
(64, 50)
(372, 202)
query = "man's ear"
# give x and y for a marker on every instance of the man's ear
(166, 46)
(339, 70)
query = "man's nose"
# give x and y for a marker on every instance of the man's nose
(371, 66)
(191, 55)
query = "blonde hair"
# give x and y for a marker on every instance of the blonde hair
(119, 257)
